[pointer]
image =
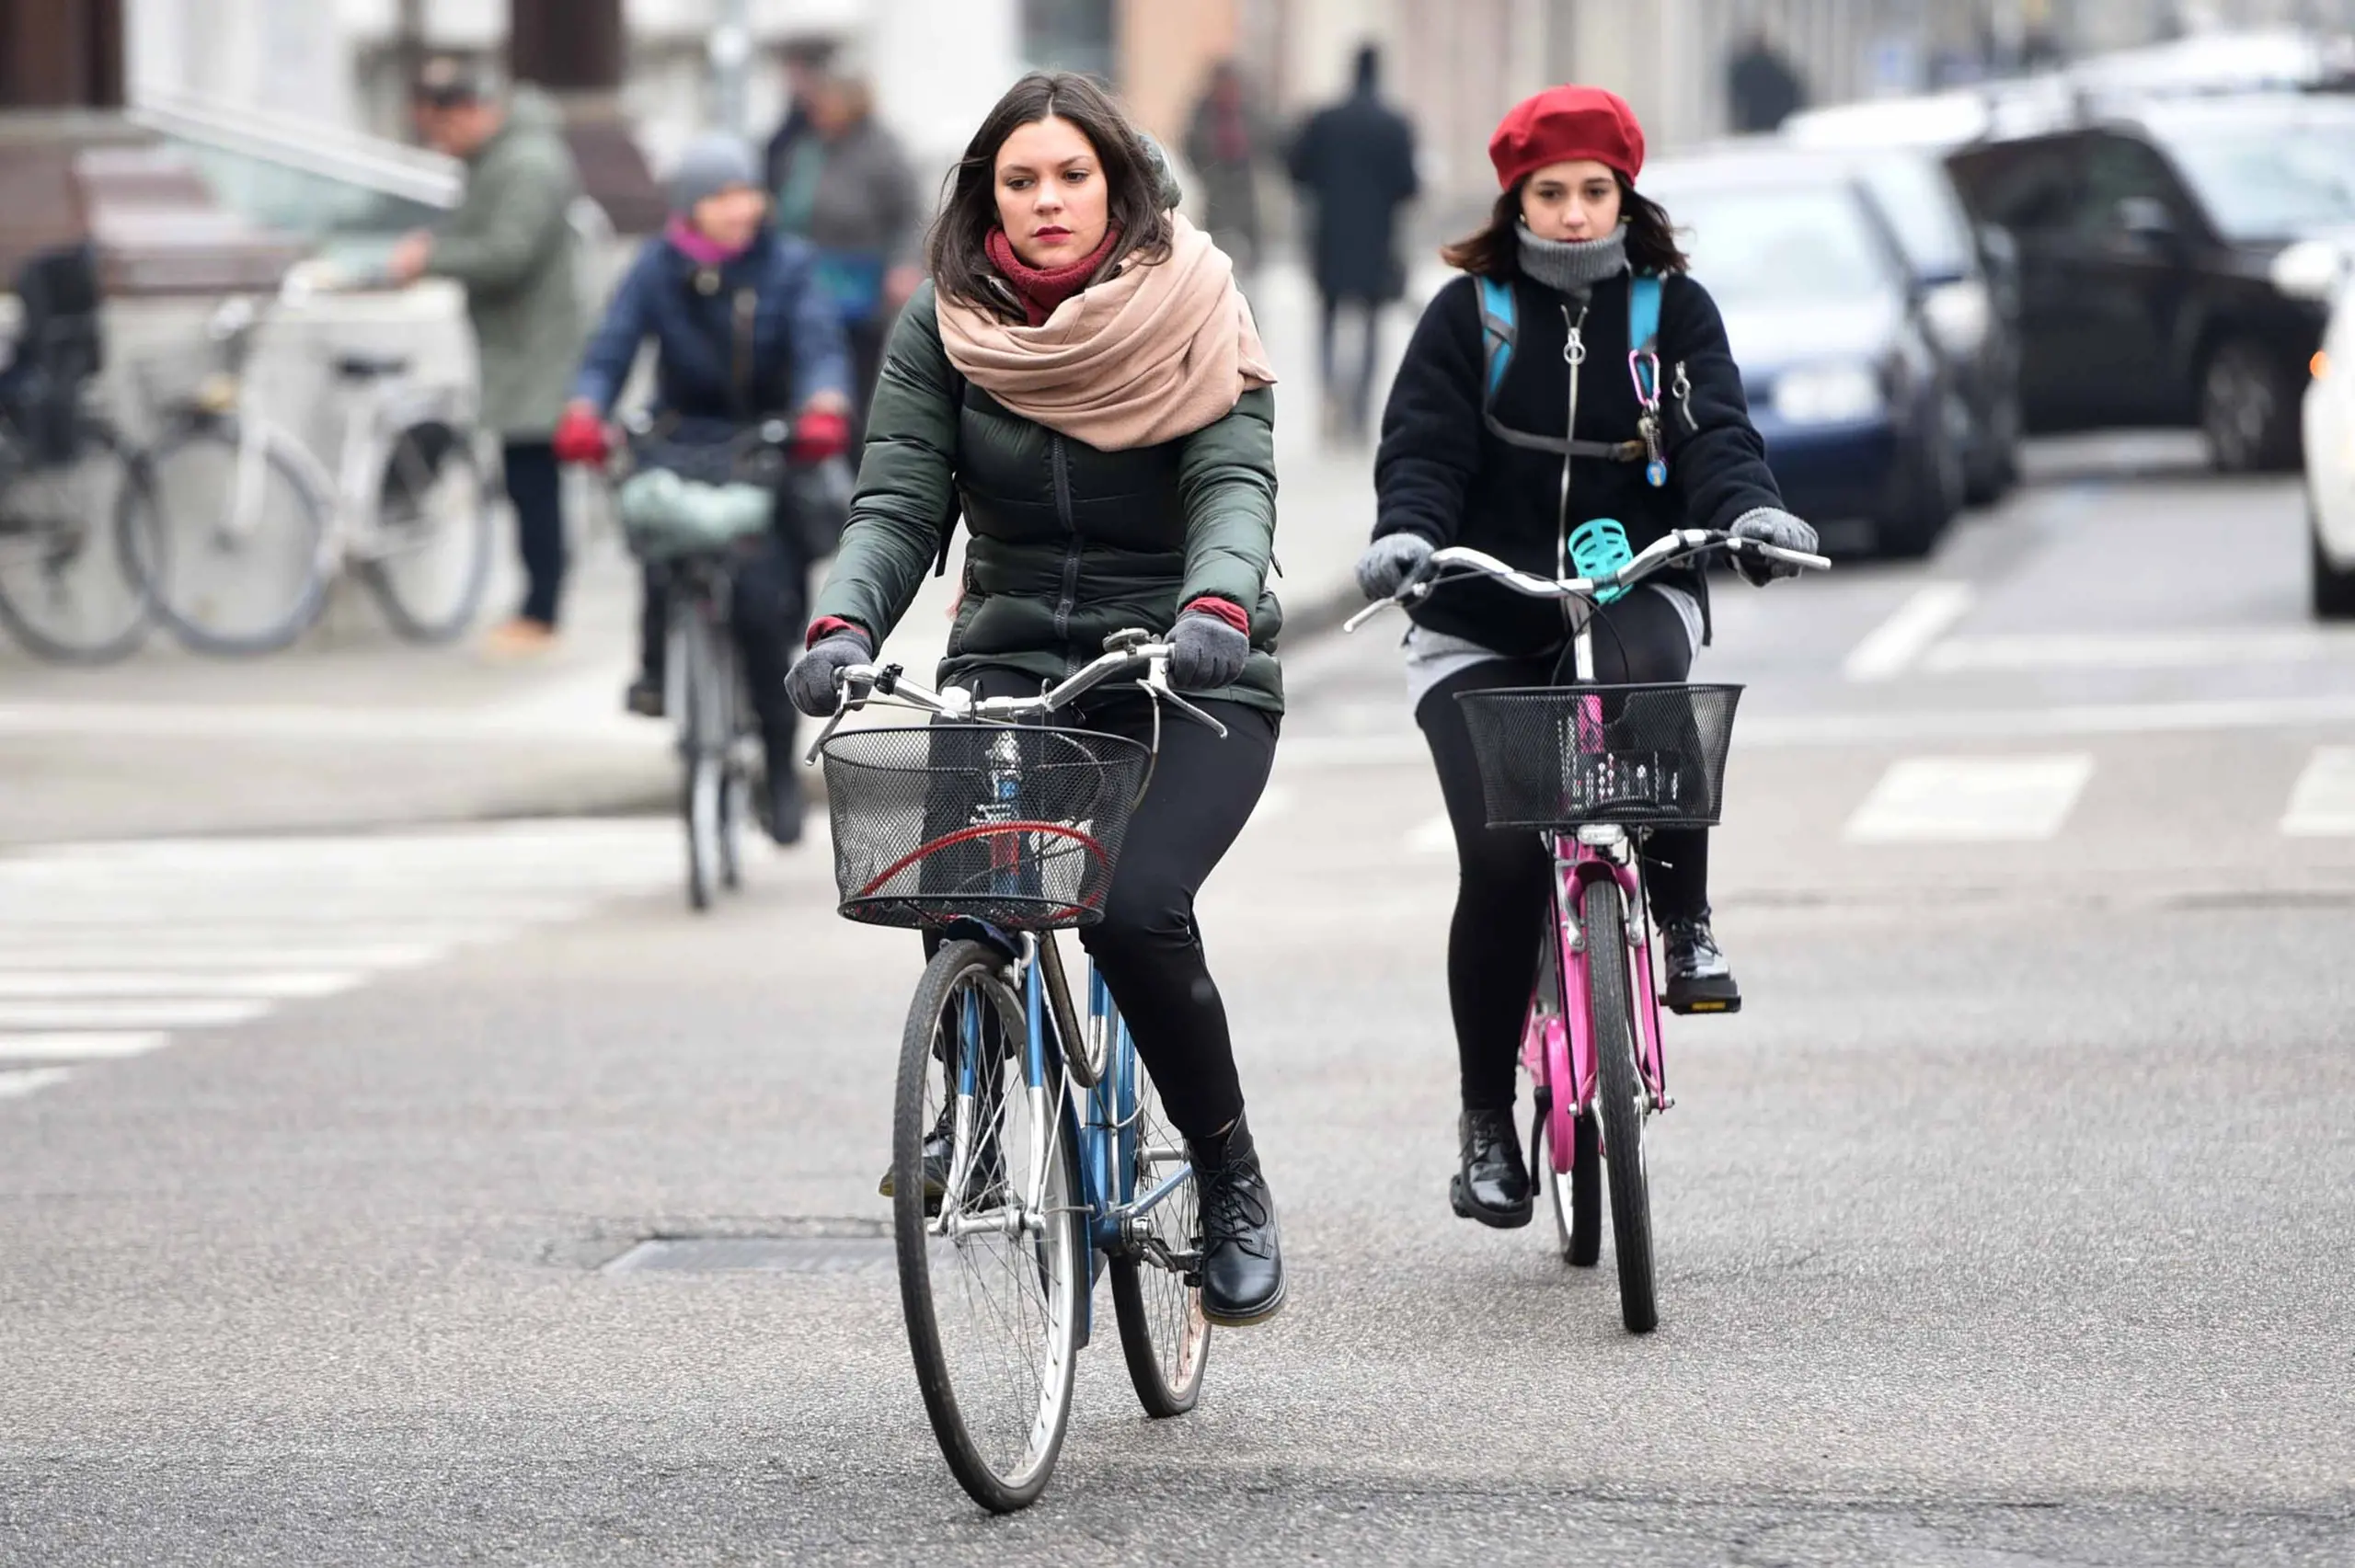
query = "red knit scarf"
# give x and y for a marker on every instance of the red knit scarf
(1041, 291)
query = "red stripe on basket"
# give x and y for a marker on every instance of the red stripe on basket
(983, 830)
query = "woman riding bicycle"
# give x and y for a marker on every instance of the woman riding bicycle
(742, 333)
(1477, 450)
(1083, 377)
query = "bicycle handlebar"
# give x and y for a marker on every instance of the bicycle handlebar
(1679, 544)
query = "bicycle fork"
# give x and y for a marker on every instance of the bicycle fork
(1558, 1045)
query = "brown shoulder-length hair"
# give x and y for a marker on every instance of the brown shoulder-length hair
(956, 254)
(1495, 251)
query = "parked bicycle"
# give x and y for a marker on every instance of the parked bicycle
(247, 531)
(1028, 1150)
(1596, 769)
(68, 591)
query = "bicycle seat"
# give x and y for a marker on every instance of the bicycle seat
(370, 367)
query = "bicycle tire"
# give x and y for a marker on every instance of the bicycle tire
(451, 469)
(954, 1380)
(734, 772)
(1578, 1196)
(701, 782)
(113, 631)
(166, 562)
(1165, 1339)
(1619, 1098)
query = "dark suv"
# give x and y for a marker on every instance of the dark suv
(2176, 263)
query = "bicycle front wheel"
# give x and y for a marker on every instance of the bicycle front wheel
(986, 1209)
(1620, 1099)
(703, 750)
(230, 538)
(1157, 1283)
(428, 559)
(68, 590)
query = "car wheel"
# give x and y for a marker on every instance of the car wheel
(1933, 494)
(2333, 586)
(2247, 410)
(1997, 468)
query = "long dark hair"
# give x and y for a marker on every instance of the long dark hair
(956, 254)
(1495, 251)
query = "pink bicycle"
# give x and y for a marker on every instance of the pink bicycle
(1596, 769)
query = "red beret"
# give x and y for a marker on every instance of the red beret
(1563, 123)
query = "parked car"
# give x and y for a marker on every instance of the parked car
(1860, 411)
(2175, 261)
(2330, 466)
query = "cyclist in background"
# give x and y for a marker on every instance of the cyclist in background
(1082, 376)
(1471, 461)
(741, 333)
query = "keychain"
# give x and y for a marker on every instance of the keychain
(1643, 368)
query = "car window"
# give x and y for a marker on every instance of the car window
(1765, 244)
(1913, 195)
(2034, 189)
(2118, 170)
(2270, 181)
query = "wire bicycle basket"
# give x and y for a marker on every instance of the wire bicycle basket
(1016, 826)
(1640, 756)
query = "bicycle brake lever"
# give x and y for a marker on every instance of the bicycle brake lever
(1189, 709)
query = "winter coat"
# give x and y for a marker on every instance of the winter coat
(1355, 162)
(1442, 473)
(1069, 543)
(510, 246)
(1230, 186)
(865, 216)
(691, 312)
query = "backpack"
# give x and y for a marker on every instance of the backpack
(1499, 328)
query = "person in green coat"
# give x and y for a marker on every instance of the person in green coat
(512, 247)
(1084, 380)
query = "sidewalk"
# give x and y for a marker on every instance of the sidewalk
(354, 730)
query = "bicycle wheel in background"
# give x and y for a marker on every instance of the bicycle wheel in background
(735, 768)
(231, 538)
(428, 559)
(1620, 1097)
(68, 590)
(992, 1311)
(1164, 1336)
(1576, 1193)
(696, 698)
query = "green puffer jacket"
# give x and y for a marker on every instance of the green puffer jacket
(1069, 543)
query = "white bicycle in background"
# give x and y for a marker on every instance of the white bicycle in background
(244, 532)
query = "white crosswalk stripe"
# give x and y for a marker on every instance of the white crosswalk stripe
(113, 951)
(1970, 800)
(2321, 804)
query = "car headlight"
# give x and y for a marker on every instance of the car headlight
(1959, 315)
(1823, 394)
(2310, 270)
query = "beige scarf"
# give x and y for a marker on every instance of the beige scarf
(1154, 353)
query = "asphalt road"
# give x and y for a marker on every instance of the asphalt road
(2013, 1222)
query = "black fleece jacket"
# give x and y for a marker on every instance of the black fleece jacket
(1442, 474)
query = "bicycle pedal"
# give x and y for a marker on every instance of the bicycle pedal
(1705, 1007)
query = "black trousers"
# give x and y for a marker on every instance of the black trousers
(1148, 947)
(770, 580)
(536, 489)
(1502, 873)
(1355, 398)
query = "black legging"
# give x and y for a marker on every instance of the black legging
(1148, 947)
(1501, 889)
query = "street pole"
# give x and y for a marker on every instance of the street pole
(731, 61)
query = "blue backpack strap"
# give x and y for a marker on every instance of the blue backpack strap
(1643, 312)
(1499, 327)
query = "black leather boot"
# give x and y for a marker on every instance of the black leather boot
(1699, 978)
(1243, 1267)
(1492, 1184)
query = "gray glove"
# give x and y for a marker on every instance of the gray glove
(810, 682)
(1389, 561)
(1205, 653)
(1771, 525)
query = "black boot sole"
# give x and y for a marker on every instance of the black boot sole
(1495, 1218)
(1243, 1319)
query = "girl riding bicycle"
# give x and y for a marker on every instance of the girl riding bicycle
(1552, 326)
(1084, 380)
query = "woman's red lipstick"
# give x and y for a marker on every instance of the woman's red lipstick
(1051, 232)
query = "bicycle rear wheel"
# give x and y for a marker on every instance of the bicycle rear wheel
(703, 749)
(429, 556)
(1576, 1193)
(231, 538)
(990, 1276)
(69, 592)
(1157, 1301)
(1620, 1098)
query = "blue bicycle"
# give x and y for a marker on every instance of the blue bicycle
(1029, 1152)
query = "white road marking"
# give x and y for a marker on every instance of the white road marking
(193, 1013)
(1891, 647)
(2135, 650)
(157, 947)
(1434, 837)
(147, 983)
(2322, 803)
(1970, 800)
(81, 1045)
(369, 726)
(14, 1085)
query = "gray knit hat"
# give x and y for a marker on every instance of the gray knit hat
(710, 164)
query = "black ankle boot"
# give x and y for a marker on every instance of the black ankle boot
(1699, 979)
(1492, 1184)
(1242, 1268)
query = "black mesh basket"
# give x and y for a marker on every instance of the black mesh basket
(1639, 756)
(1019, 828)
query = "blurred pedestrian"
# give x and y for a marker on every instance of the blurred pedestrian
(1762, 88)
(807, 58)
(848, 189)
(1225, 143)
(742, 333)
(1355, 164)
(512, 247)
